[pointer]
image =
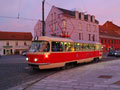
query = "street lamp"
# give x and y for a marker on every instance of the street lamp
(43, 22)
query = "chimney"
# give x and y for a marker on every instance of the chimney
(82, 16)
(76, 14)
(93, 19)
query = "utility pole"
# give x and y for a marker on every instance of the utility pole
(43, 22)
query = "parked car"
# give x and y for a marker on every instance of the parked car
(24, 53)
(112, 53)
(117, 54)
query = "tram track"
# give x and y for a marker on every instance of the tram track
(16, 72)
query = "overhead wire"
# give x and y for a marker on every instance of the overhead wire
(19, 11)
(18, 15)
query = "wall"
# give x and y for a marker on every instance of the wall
(12, 46)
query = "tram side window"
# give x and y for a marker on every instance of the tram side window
(69, 46)
(77, 46)
(98, 47)
(94, 47)
(87, 47)
(84, 47)
(57, 46)
(91, 47)
(40, 46)
(46, 47)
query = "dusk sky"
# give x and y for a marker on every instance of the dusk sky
(102, 9)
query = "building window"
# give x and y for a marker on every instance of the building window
(88, 27)
(52, 18)
(94, 27)
(105, 41)
(80, 36)
(102, 41)
(94, 38)
(112, 41)
(54, 26)
(80, 26)
(89, 37)
(25, 44)
(52, 21)
(106, 49)
(16, 43)
(64, 24)
(4, 51)
(7, 44)
(55, 16)
(109, 41)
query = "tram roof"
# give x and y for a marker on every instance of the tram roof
(82, 41)
(48, 38)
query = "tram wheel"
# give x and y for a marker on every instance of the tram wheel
(96, 60)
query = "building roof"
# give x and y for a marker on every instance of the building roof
(109, 29)
(72, 14)
(15, 36)
(65, 11)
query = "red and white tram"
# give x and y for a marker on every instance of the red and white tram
(53, 52)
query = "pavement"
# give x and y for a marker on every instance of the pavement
(93, 76)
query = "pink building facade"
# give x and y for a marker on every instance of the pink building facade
(38, 29)
(71, 24)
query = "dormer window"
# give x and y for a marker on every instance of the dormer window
(80, 26)
(64, 24)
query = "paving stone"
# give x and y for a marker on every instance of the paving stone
(81, 86)
(34, 89)
(38, 86)
(101, 85)
(112, 89)
(51, 88)
(64, 88)
(97, 88)
(83, 78)
(114, 86)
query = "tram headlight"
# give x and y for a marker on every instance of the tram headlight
(27, 59)
(35, 59)
(46, 56)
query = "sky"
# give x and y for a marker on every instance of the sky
(22, 15)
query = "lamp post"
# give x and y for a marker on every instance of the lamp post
(43, 22)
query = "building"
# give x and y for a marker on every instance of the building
(110, 36)
(71, 24)
(38, 29)
(14, 42)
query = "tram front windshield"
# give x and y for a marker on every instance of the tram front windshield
(40, 46)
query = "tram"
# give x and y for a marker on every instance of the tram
(53, 52)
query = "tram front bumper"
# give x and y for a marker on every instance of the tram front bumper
(38, 65)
